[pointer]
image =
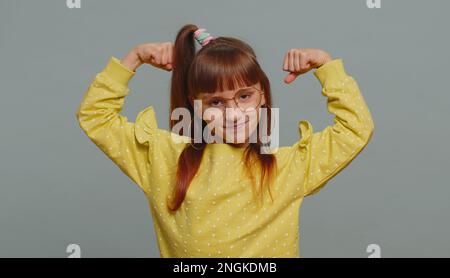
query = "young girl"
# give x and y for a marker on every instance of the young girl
(223, 199)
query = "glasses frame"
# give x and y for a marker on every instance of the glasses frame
(261, 92)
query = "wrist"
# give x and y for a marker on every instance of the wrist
(325, 58)
(132, 60)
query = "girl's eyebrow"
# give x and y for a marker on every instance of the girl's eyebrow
(215, 94)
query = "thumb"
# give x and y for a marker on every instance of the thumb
(166, 67)
(290, 77)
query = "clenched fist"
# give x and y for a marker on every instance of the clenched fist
(301, 60)
(159, 55)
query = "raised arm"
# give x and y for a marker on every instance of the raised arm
(333, 148)
(99, 114)
(327, 152)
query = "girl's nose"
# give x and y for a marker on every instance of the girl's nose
(232, 104)
(233, 114)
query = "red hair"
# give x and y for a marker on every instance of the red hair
(225, 63)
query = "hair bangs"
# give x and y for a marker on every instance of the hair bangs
(223, 69)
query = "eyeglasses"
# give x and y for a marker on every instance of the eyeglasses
(247, 98)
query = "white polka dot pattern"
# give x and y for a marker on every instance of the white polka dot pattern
(220, 216)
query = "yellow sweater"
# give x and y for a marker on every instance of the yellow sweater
(219, 217)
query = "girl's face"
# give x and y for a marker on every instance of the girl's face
(234, 114)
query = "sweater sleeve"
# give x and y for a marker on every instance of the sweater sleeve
(126, 143)
(327, 152)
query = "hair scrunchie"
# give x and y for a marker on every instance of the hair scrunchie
(202, 37)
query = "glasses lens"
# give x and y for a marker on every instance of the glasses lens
(248, 98)
(214, 102)
(245, 99)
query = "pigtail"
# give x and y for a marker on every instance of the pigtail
(184, 53)
(190, 158)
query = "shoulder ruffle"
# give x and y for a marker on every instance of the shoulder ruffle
(306, 130)
(146, 126)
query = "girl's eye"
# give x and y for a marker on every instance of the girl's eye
(244, 96)
(215, 102)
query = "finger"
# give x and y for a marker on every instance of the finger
(291, 61)
(290, 77)
(157, 56)
(171, 54)
(164, 56)
(304, 60)
(286, 62)
(297, 61)
(169, 57)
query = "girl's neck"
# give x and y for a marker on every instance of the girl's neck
(239, 145)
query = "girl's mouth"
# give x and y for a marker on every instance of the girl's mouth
(237, 125)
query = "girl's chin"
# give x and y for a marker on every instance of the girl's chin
(238, 138)
(229, 141)
(238, 145)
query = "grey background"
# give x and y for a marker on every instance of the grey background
(57, 188)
